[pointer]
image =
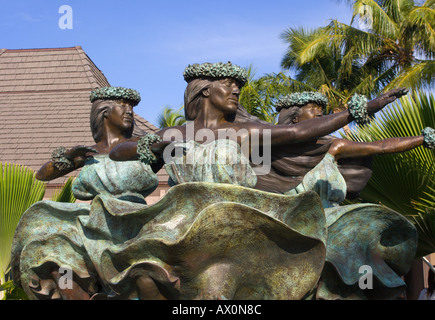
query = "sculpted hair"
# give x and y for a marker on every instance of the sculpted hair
(242, 116)
(98, 111)
(193, 97)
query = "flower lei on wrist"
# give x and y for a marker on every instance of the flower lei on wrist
(428, 138)
(60, 161)
(143, 148)
(357, 107)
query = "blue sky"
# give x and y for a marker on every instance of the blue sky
(146, 45)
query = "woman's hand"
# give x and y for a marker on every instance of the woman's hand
(79, 154)
(380, 102)
(76, 155)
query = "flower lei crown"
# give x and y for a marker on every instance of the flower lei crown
(115, 93)
(215, 70)
(300, 99)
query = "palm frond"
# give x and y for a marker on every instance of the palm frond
(18, 190)
(170, 118)
(422, 18)
(65, 194)
(420, 75)
(425, 224)
(304, 46)
(405, 181)
(347, 37)
(382, 21)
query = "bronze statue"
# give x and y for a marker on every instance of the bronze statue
(211, 102)
(112, 122)
(343, 148)
(289, 165)
(213, 235)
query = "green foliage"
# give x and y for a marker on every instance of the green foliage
(18, 191)
(404, 181)
(171, 118)
(322, 66)
(256, 97)
(398, 47)
(340, 60)
(12, 292)
(65, 193)
(425, 223)
(259, 96)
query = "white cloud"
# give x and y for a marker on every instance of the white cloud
(24, 16)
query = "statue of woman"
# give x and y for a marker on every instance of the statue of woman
(326, 179)
(112, 122)
(298, 107)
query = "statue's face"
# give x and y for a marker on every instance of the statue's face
(121, 115)
(224, 95)
(291, 116)
(310, 111)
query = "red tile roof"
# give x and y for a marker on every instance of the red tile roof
(44, 103)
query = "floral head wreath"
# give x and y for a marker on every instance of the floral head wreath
(115, 93)
(216, 71)
(300, 99)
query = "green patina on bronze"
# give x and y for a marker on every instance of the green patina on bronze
(209, 240)
(115, 93)
(201, 241)
(212, 236)
(301, 99)
(219, 161)
(60, 160)
(143, 148)
(358, 109)
(359, 235)
(216, 71)
(429, 137)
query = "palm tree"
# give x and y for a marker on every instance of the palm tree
(339, 60)
(399, 43)
(255, 97)
(319, 65)
(171, 118)
(405, 182)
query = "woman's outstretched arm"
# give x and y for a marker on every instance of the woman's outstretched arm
(315, 128)
(70, 160)
(342, 148)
